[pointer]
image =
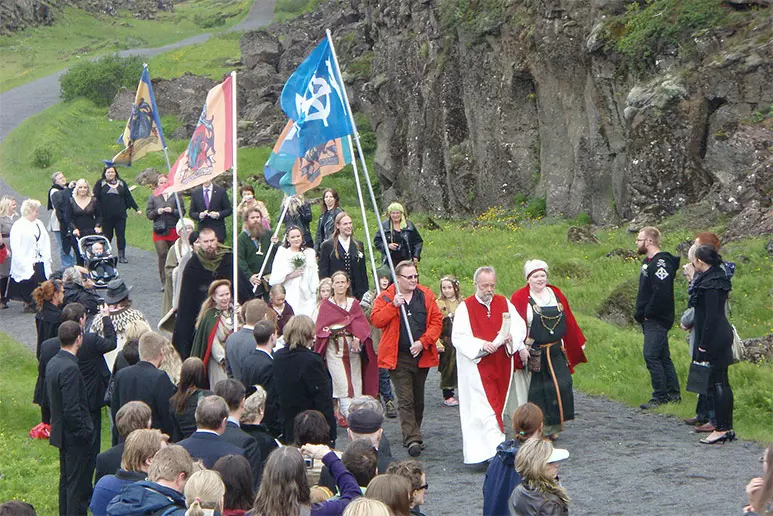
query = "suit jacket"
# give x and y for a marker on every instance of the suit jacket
(219, 202)
(71, 424)
(108, 462)
(303, 383)
(266, 443)
(143, 382)
(258, 369)
(209, 447)
(355, 266)
(241, 439)
(238, 346)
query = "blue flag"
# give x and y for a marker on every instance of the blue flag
(142, 133)
(313, 98)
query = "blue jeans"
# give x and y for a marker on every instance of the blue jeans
(665, 383)
(67, 258)
(384, 387)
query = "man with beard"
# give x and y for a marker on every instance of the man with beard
(487, 333)
(210, 262)
(253, 246)
(655, 312)
(343, 253)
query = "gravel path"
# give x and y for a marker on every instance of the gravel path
(623, 461)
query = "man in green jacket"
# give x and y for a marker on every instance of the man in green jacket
(254, 242)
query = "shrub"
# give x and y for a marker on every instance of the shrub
(100, 80)
(584, 219)
(41, 157)
(537, 208)
(209, 20)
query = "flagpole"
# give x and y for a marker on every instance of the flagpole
(370, 186)
(271, 246)
(235, 216)
(364, 216)
(176, 197)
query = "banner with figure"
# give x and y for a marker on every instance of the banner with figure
(286, 169)
(313, 98)
(210, 151)
(143, 129)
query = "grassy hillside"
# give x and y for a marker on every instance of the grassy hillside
(76, 34)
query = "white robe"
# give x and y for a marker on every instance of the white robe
(480, 430)
(301, 291)
(27, 251)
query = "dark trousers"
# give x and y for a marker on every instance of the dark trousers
(4, 288)
(409, 379)
(96, 419)
(45, 415)
(657, 356)
(704, 409)
(117, 225)
(384, 387)
(162, 249)
(76, 468)
(719, 388)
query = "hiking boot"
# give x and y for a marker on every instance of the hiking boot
(653, 403)
(414, 449)
(391, 410)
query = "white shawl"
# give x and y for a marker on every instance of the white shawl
(29, 248)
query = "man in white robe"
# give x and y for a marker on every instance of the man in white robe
(487, 332)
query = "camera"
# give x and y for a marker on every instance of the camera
(100, 300)
(309, 462)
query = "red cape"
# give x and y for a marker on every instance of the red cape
(574, 339)
(357, 324)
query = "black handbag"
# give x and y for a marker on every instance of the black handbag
(698, 377)
(159, 227)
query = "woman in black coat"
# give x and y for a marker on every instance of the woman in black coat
(299, 214)
(193, 386)
(714, 336)
(163, 211)
(326, 225)
(301, 378)
(403, 240)
(114, 199)
(49, 297)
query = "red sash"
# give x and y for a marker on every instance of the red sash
(494, 369)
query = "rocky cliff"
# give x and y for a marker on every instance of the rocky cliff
(478, 103)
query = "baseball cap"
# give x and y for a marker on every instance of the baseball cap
(558, 455)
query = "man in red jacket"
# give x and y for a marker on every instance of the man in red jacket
(408, 364)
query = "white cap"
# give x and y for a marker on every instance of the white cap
(534, 265)
(558, 455)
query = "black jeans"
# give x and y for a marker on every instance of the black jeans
(665, 383)
(117, 224)
(76, 468)
(719, 387)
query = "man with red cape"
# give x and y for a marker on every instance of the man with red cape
(343, 340)
(487, 333)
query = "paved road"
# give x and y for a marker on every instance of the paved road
(24, 101)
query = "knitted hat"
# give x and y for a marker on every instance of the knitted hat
(532, 266)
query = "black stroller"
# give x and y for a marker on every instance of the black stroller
(98, 259)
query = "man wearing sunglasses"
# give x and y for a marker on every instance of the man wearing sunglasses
(408, 361)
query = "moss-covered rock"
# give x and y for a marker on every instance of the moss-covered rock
(619, 306)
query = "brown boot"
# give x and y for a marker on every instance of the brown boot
(707, 428)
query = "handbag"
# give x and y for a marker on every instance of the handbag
(535, 360)
(3, 252)
(698, 377)
(738, 349)
(159, 227)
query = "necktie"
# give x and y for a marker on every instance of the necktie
(206, 197)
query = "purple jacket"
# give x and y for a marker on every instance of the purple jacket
(347, 486)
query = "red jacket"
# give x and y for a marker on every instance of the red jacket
(387, 316)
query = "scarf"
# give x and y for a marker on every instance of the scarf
(714, 278)
(211, 264)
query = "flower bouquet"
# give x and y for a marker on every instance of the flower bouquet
(299, 261)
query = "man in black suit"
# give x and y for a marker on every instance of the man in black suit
(145, 382)
(210, 206)
(207, 443)
(135, 415)
(344, 253)
(234, 394)
(72, 430)
(258, 369)
(91, 362)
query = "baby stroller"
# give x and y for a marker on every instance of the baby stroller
(101, 266)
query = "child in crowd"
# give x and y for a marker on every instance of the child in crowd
(282, 310)
(324, 291)
(413, 471)
(384, 387)
(447, 301)
(103, 269)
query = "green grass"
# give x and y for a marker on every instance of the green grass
(29, 467)
(76, 34)
(207, 59)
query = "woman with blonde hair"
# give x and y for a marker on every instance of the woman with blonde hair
(204, 494)
(7, 214)
(363, 506)
(324, 291)
(448, 300)
(301, 378)
(84, 215)
(394, 491)
(213, 326)
(403, 241)
(539, 493)
(31, 263)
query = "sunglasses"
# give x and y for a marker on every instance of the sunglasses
(411, 277)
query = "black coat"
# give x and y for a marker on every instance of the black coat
(209, 447)
(185, 421)
(355, 266)
(108, 462)
(713, 331)
(266, 444)
(193, 292)
(71, 424)
(47, 323)
(91, 362)
(60, 202)
(409, 239)
(143, 382)
(303, 383)
(302, 219)
(219, 202)
(74, 293)
(114, 206)
(655, 299)
(258, 369)
(236, 436)
(83, 219)
(326, 225)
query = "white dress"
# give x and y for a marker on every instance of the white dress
(301, 291)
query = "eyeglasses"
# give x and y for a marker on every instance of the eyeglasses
(424, 487)
(411, 277)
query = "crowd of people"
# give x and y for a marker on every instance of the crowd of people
(236, 408)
